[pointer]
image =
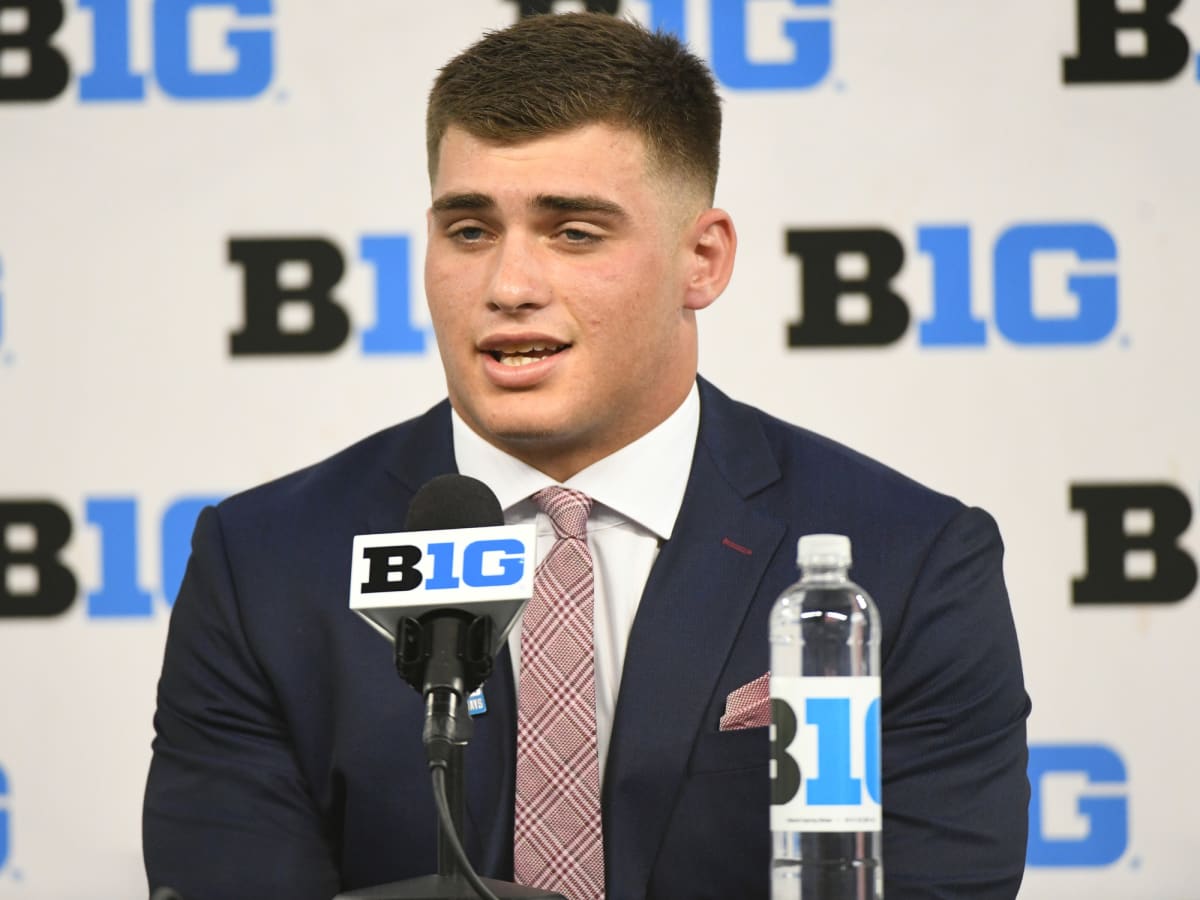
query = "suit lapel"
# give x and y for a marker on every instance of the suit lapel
(422, 451)
(693, 606)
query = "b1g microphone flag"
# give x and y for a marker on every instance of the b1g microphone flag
(470, 563)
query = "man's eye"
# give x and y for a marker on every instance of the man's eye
(469, 233)
(579, 236)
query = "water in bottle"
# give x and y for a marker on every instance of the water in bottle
(826, 814)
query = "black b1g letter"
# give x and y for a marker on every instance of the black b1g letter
(54, 589)
(527, 8)
(261, 260)
(786, 781)
(1107, 542)
(46, 73)
(382, 567)
(1098, 59)
(822, 286)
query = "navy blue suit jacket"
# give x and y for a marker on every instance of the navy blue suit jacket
(288, 758)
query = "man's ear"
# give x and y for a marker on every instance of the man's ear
(712, 245)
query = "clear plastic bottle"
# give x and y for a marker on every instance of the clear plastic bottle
(826, 816)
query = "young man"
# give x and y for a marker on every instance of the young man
(571, 241)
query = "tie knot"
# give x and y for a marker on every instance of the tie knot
(568, 510)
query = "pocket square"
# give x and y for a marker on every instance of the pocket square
(749, 706)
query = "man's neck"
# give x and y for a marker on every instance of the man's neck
(646, 479)
(566, 457)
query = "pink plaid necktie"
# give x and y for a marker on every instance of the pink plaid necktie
(558, 844)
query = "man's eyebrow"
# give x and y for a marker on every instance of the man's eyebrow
(470, 201)
(461, 202)
(585, 203)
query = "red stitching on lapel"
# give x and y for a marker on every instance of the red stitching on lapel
(726, 542)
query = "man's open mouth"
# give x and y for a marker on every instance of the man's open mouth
(524, 354)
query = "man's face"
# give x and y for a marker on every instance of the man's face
(557, 277)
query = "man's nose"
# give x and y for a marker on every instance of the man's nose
(518, 282)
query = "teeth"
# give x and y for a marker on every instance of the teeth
(519, 354)
(525, 348)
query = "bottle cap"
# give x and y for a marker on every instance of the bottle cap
(823, 550)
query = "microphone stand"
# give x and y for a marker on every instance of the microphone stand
(445, 655)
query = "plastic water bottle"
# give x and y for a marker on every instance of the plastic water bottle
(826, 815)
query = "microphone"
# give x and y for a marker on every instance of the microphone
(453, 501)
(447, 591)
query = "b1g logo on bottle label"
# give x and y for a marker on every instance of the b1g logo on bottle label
(825, 754)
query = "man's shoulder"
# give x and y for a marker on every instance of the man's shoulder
(803, 450)
(812, 468)
(396, 454)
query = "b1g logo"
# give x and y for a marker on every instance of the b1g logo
(443, 560)
(32, 68)
(289, 304)
(1117, 44)
(411, 573)
(847, 298)
(825, 754)
(1131, 539)
(36, 583)
(756, 44)
(1078, 806)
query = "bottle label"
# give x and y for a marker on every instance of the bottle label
(825, 743)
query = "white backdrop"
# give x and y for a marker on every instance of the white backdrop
(949, 126)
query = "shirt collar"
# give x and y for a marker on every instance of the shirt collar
(643, 481)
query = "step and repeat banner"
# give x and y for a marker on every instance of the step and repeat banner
(967, 247)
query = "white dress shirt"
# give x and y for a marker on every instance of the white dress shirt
(637, 492)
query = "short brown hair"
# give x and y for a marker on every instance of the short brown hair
(552, 73)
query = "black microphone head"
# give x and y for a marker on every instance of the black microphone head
(453, 501)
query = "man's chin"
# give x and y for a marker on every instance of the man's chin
(530, 436)
(524, 420)
(535, 442)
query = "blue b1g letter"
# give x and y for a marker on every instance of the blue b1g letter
(4, 843)
(811, 40)
(952, 324)
(442, 554)
(110, 78)
(393, 331)
(874, 760)
(4, 819)
(119, 594)
(512, 564)
(1106, 814)
(668, 15)
(172, 59)
(834, 786)
(836, 733)
(1096, 293)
